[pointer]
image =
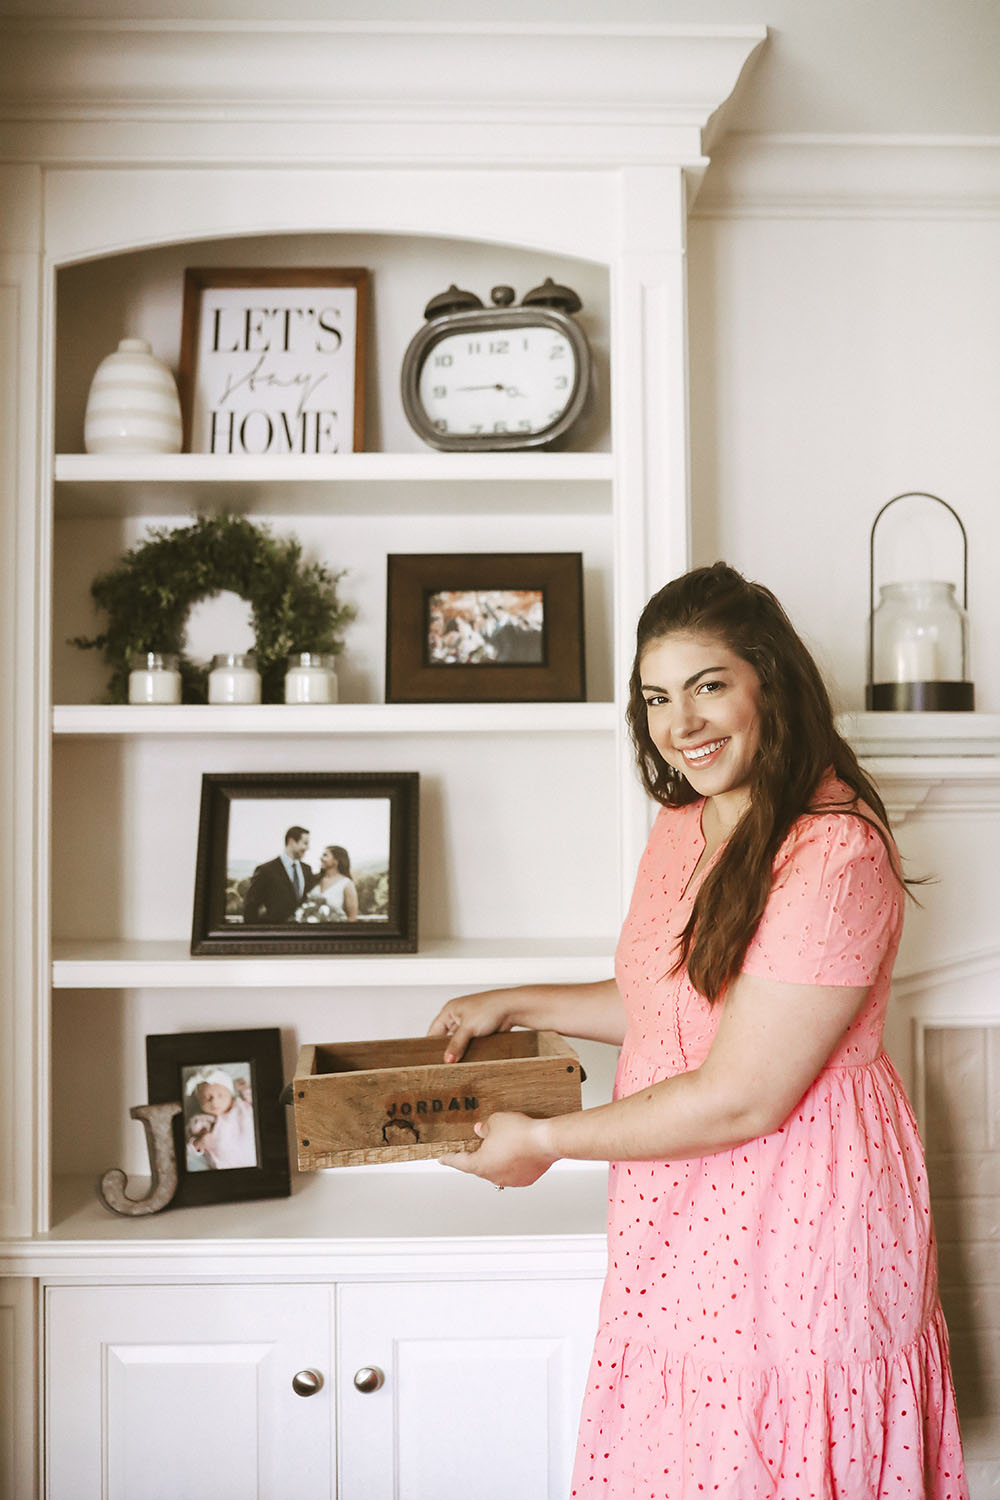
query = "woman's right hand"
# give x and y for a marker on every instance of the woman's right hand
(469, 1016)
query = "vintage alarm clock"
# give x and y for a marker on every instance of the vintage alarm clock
(477, 377)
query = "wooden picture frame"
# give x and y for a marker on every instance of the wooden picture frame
(355, 874)
(273, 361)
(484, 627)
(231, 1137)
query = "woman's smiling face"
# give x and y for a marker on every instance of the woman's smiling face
(703, 711)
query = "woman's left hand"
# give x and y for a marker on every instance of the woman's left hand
(512, 1154)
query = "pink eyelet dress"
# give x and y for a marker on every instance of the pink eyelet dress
(770, 1324)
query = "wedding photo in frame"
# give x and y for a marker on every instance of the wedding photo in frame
(469, 627)
(231, 1137)
(273, 361)
(307, 863)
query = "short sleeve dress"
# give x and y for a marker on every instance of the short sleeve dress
(770, 1323)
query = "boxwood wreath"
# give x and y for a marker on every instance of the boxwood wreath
(150, 593)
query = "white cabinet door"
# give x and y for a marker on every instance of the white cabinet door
(185, 1393)
(482, 1388)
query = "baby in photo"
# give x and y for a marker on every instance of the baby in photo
(219, 1129)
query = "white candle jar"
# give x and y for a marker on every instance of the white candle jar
(310, 678)
(234, 678)
(919, 648)
(154, 678)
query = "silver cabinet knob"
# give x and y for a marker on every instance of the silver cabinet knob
(307, 1382)
(369, 1378)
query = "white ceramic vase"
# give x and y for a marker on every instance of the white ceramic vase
(133, 406)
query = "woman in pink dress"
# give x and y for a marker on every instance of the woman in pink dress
(770, 1324)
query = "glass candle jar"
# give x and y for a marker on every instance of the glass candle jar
(310, 678)
(920, 648)
(234, 678)
(154, 678)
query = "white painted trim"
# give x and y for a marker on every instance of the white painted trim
(477, 1257)
(475, 964)
(922, 734)
(184, 469)
(124, 721)
(911, 987)
(921, 1025)
(20, 1378)
(919, 995)
(22, 975)
(92, 213)
(937, 786)
(545, 91)
(843, 177)
(682, 73)
(417, 1220)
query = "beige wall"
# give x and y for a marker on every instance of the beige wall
(839, 360)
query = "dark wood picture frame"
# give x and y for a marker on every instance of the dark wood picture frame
(414, 580)
(274, 366)
(383, 868)
(173, 1064)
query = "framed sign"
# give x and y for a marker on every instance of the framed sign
(272, 362)
(231, 1136)
(308, 863)
(484, 627)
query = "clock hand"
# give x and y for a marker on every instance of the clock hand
(497, 385)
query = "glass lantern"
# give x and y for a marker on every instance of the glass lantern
(918, 638)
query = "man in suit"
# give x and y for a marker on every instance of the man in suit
(277, 887)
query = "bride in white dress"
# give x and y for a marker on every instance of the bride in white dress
(334, 897)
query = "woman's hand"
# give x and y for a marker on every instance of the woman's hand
(471, 1015)
(513, 1152)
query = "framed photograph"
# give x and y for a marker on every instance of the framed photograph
(231, 1137)
(308, 863)
(492, 627)
(273, 361)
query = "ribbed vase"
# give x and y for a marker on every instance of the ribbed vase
(133, 406)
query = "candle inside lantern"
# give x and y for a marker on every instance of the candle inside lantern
(916, 659)
(154, 678)
(919, 633)
(310, 678)
(234, 678)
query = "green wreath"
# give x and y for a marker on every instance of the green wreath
(150, 593)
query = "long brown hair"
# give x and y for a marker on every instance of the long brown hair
(799, 746)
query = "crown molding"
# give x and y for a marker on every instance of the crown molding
(843, 177)
(938, 786)
(644, 93)
(984, 963)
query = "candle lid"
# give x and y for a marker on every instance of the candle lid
(153, 661)
(235, 659)
(322, 659)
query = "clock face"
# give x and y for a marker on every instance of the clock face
(498, 382)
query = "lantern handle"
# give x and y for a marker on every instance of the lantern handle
(909, 495)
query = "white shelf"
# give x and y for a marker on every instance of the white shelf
(940, 735)
(90, 486)
(352, 1221)
(124, 720)
(886, 737)
(120, 964)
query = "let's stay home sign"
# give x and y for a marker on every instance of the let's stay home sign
(275, 370)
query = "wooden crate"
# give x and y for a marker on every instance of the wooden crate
(363, 1102)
